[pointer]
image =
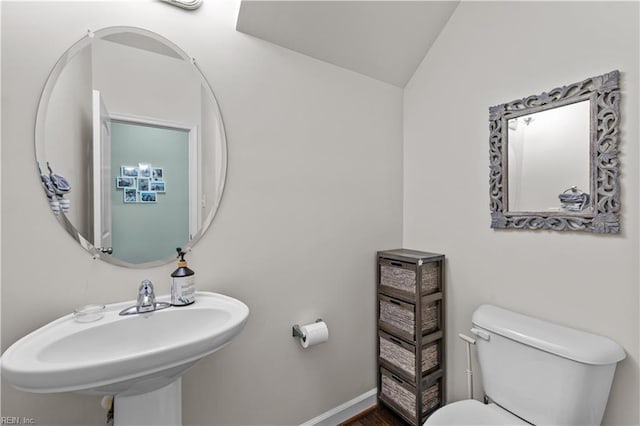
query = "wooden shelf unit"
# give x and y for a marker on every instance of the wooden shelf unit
(411, 330)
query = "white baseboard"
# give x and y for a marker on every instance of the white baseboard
(345, 411)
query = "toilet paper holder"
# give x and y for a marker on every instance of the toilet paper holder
(297, 332)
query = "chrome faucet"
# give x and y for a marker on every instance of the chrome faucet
(146, 297)
(146, 301)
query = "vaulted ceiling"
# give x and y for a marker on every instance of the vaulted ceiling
(385, 40)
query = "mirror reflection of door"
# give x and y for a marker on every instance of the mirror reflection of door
(101, 173)
(148, 229)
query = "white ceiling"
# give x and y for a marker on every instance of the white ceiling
(385, 40)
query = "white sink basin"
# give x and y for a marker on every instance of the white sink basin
(123, 355)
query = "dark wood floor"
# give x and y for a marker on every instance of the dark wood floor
(376, 416)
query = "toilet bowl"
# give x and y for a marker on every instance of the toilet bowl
(535, 372)
(471, 412)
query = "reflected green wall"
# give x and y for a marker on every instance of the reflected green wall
(146, 232)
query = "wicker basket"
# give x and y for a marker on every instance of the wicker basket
(431, 357)
(402, 355)
(430, 317)
(430, 278)
(400, 278)
(431, 397)
(403, 395)
(397, 391)
(399, 317)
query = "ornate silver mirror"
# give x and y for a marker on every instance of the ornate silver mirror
(554, 159)
(130, 146)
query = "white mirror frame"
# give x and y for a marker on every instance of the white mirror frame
(603, 92)
(40, 141)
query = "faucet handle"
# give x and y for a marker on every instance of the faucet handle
(146, 288)
(146, 297)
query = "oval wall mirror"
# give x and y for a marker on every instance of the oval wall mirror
(130, 146)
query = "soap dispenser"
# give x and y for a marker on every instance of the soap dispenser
(183, 290)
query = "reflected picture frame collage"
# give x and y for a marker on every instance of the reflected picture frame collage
(141, 184)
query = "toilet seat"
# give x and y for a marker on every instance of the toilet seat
(471, 412)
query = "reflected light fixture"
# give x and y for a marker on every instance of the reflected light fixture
(185, 4)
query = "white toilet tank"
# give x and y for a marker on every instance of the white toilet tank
(545, 373)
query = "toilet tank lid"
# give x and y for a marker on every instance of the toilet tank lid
(563, 341)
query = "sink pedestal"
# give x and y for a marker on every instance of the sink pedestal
(161, 407)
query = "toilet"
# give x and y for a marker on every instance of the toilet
(535, 372)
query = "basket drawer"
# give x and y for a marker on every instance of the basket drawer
(402, 395)
(430, 277)
(432, 397)
(431, 314)
(399, 317)
(399, 278)
(401, 355)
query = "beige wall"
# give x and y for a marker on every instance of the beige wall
(491, 53)
(313, 190)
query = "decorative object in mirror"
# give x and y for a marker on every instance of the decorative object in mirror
(131, 123)
(553, 159)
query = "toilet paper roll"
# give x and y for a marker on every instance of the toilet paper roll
(314, 334)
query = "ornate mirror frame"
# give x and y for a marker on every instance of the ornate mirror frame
(603, 93)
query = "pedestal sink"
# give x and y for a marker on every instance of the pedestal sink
(138, 358)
